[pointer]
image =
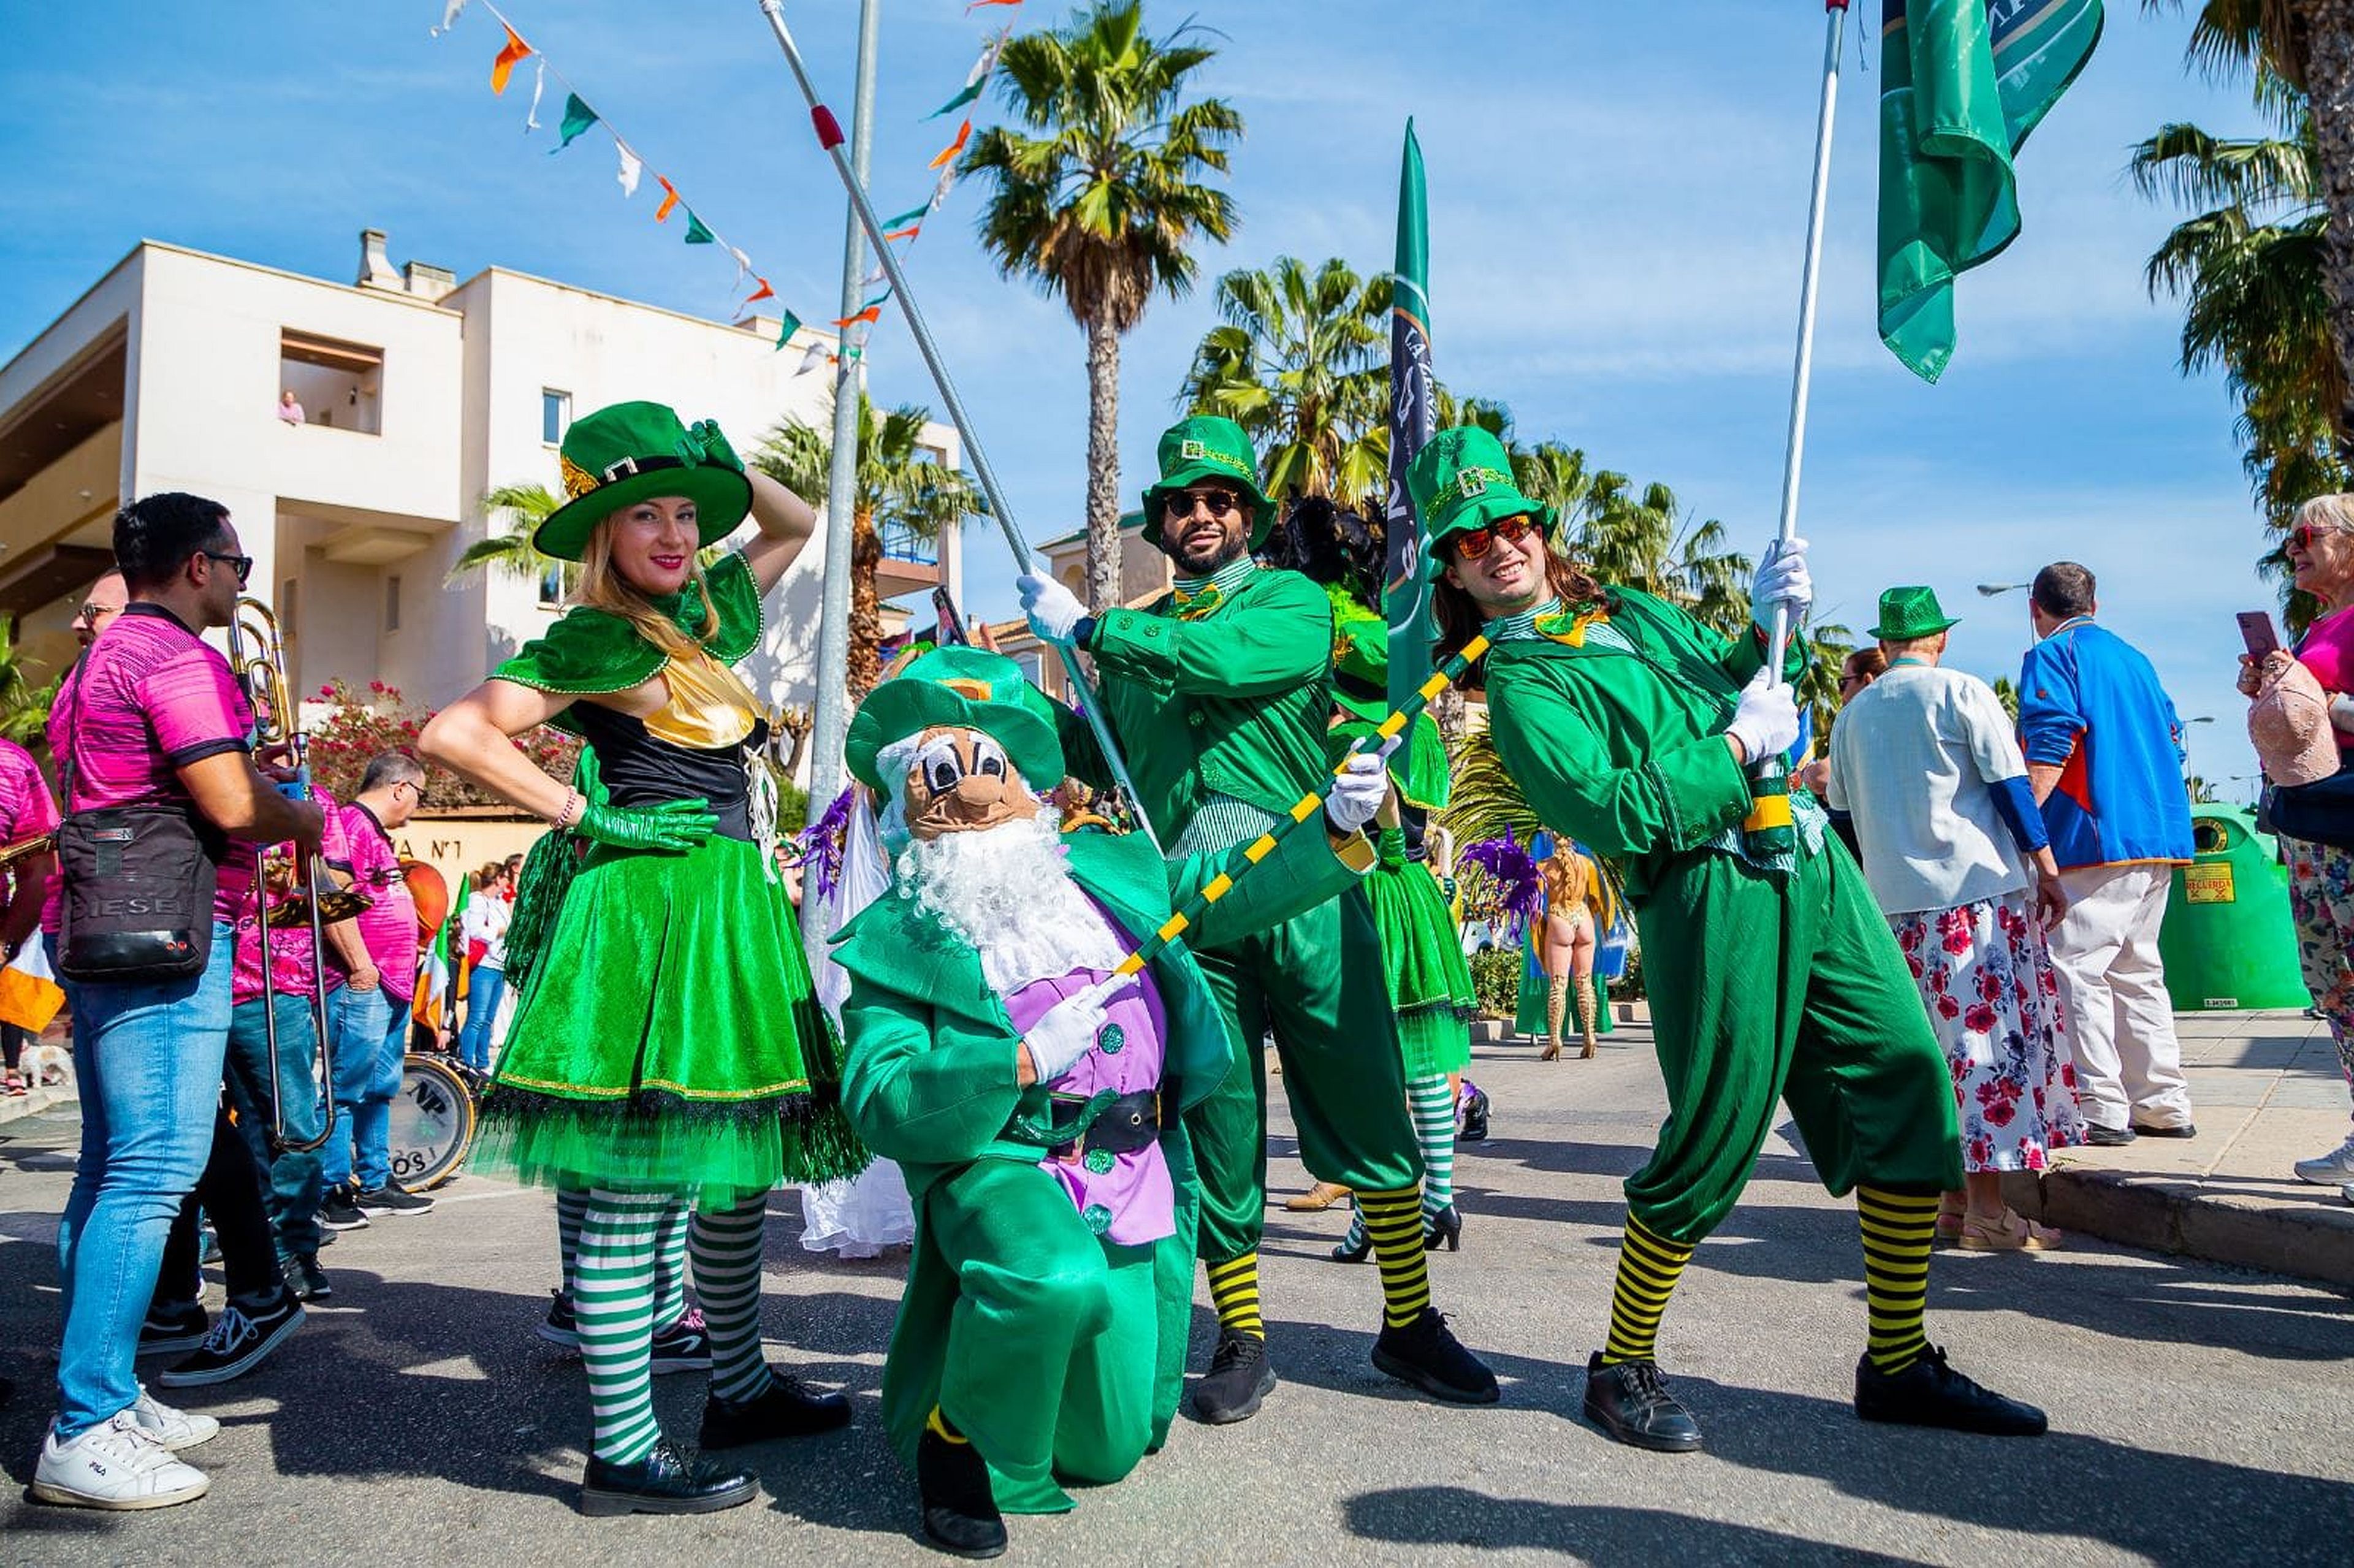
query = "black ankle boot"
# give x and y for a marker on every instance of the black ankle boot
(788, 1407)
(961, 1513)
(1238, 1379)
(1630, 1401)
(1443, 1229)
(1426, 1355)
(665, 1481)
(1931, 1393)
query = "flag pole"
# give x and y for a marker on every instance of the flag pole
(1768, 828)
(829, 137)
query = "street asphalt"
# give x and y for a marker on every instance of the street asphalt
(2201, 1416)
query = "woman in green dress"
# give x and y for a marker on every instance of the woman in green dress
(667, 1049)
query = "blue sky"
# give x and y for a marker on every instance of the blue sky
(1617, 194)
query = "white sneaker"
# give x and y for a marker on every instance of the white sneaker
(2332, 1170)
(175, 1429)
(118, 1464)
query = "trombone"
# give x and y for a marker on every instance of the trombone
(258, 655)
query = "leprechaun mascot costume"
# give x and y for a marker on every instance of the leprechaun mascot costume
(1032, 1096)
(1627, 725)
(1219, 694)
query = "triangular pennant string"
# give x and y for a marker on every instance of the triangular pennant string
(514, 50)
(449, 18)
(631, 167)
(578, 118)
(948, 153)
(696, 234)
(539, 86)
(669, 200)
(763, 291)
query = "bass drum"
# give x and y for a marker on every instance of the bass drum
(433, 1123)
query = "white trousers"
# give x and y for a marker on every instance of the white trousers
(2120, 1021)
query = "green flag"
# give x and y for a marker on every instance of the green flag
(1413, 414)
(697, 233)
(577, 117)
(1962, 83)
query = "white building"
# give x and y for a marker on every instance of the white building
(418, 394)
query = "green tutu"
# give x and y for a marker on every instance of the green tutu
(1422, 954)
(668, 1040)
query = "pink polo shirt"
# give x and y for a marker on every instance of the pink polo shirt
(389, 925)
(149, 699)
(26, 807)
(290, 937)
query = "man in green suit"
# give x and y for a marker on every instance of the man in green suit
(1219, 694)
(1032, 1095)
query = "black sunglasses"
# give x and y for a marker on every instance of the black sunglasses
(241, 565)
(1181, 503)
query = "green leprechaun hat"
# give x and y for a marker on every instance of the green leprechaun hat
(1209, 447)
(1906, 613)
(1361, 663)
(1462, 479)
(629, 452)
(959, 688)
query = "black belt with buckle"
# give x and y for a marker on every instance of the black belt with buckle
(1129, 1123)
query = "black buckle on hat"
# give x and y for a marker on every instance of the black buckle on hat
(624, 468)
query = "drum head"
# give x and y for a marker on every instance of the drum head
(433, 1123)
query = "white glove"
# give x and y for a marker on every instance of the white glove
(1053, 609)
(1069, 1029)
(1766, 721)
(1782, 575)
(1356, 796)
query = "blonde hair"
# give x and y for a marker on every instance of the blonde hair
(2333, 511)
(602, 587)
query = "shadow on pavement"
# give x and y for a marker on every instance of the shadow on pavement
(1453, 1516)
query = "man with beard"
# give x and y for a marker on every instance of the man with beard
(1032, 1096)
(1220, 693)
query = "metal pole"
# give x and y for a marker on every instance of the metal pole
(829, 136)
(831, 723)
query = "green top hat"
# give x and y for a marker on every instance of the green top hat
(629, 452)
(1208, 447)
(1360, 665)
(1906, 613)
(959, 688)
(1462, 479)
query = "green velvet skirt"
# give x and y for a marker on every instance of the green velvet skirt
(668, 1041)
(1422, 953)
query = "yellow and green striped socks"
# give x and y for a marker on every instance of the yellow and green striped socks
(1649, 1268)
(1897, 1230)
(1393, 1222)
(1233, 1291)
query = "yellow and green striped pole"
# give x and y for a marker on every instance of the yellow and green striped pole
(1307, 808)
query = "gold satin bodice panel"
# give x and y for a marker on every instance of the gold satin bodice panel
(709, 709)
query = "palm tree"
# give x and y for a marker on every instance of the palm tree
(24, 706)
(898, 486)
(1097, 196)
(524, 507)
(1301, 363)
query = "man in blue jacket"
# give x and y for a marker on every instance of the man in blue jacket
(2105, 758)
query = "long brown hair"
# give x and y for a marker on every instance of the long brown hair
(602, 587)
(1459, 620)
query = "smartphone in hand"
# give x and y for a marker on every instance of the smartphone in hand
(2257, 632)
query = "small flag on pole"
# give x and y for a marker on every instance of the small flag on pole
(512, 51)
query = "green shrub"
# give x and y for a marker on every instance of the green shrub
(1496, 980)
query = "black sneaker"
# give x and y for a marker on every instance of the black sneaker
(1238, 1379)
(961, 1513)
(237, 1344)
(2109, 1136)
(390, 1200)
(685, 1346)
(305, 1278)
(1629, 1400)
(1426, 1355)
(667, 1480)
(338, 1213)
(172, 1326)
(1931, 1393)
(789, 1408)
(2188, 1129)
(560, 1327)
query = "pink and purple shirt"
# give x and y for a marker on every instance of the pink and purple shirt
(289, 938)
(26, 807)
(389, 925)
(2328, 649)
(149, 699)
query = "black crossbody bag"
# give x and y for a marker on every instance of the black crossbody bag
(137, 883)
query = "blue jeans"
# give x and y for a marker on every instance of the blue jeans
(371, 1031)
(148, 1060)
(484, 994)
(291, 1182)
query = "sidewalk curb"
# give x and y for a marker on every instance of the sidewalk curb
(2171, 1214)
(32, 1103)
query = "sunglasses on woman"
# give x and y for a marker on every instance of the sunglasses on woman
(1181, 503)
(1473, 542)
(2303, 536)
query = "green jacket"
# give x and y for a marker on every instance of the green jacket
(1232, 703)
(1625, 752)
(930, 1079)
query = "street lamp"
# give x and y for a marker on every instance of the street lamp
(1990, 590)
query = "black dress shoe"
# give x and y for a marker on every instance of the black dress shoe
(1443, 1229)
(664, 1481)
(2108, 1137)
(1426, 1355)
(1629, 1400)
(788, 1408)
(961, 1513)
(1931, 1393)
(2188, 1129)
(1240, 1377)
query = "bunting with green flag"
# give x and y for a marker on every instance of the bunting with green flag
(1962, 83)
(1405, 600)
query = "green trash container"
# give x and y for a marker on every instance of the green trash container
(2228, 941)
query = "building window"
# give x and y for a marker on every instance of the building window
(555, 415)
(392, 604)
(332, 382)
(1032, 664)
(551, 586)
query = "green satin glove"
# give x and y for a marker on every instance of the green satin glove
(674, 825)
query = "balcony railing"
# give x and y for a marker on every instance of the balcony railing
(900, 543)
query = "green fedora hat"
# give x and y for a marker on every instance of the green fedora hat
(630, 452)
(1206, 446)
(1461, 479)
(959, 688)
(1908, 613)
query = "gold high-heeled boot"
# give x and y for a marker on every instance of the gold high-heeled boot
(1585, 1019)
(1557, 1005)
